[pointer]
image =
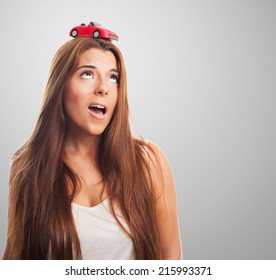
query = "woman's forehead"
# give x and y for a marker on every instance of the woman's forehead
(97, 57)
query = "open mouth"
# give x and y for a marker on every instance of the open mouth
(97, 109)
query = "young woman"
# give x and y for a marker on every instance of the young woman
(82, 187)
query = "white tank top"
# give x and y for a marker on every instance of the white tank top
(101, 238)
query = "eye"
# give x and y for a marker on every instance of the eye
(86, 75)
(114, 78)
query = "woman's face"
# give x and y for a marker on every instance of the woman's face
(91, 93)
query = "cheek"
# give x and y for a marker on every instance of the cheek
(69, 100)
(113, 101)
(115, 96)
(72, 107)
(72, 98)
(70, 94)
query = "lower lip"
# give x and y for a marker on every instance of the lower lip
(97, 116)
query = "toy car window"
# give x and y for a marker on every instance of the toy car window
(95, 23)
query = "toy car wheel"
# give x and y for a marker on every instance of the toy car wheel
(96, 34)
(74, 33)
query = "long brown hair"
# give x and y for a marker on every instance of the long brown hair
(41, 224)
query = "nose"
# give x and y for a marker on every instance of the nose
(101, 88)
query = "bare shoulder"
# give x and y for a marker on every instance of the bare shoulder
(166, 203)
(157, 154)
(155, 148)
(160, 170)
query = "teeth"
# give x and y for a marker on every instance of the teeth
(98, 106)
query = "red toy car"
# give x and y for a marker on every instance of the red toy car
(93, 29)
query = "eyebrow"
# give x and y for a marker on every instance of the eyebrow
(94, 67)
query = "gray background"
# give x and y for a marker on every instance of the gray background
(201, 84)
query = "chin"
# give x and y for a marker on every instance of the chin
(96, 131)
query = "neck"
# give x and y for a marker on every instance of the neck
(82, 145)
